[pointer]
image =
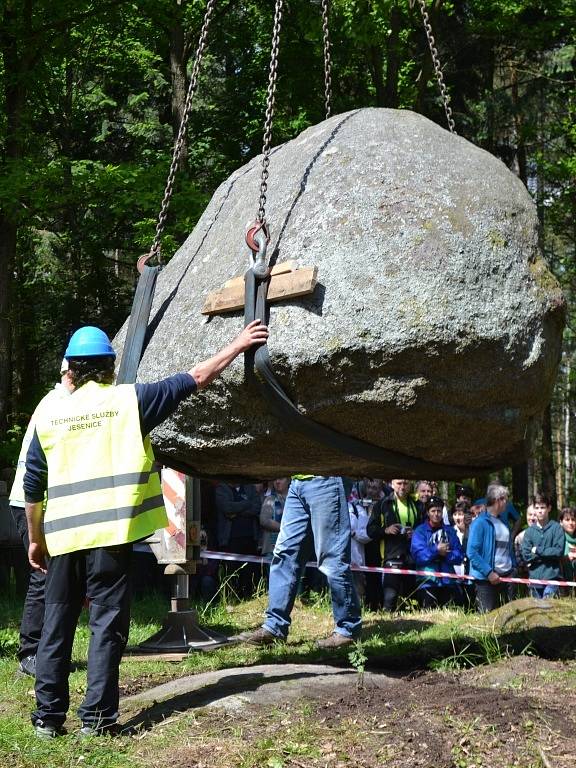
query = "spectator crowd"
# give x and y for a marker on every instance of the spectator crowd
(404, 525)
(393, 524)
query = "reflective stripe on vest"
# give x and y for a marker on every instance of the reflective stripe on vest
(103, 489)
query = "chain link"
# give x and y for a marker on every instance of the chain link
(273, 76)
(178, 146)
(437, 66)
(327, 58)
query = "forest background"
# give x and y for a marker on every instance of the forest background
(92, 97)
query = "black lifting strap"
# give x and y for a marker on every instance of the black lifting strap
(137, 325)
(256, 290)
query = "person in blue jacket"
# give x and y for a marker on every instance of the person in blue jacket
(510, 516)
(490, 551)
(436, 547)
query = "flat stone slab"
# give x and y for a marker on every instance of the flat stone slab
(232, 689)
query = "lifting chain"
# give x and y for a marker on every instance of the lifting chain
(273, 75)
(178, 146)
(327, 58)
(436, 61)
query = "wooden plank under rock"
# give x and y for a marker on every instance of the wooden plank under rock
(301, 282)
(277, 269)
(135, 655)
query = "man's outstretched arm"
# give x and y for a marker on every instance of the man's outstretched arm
(203, 373)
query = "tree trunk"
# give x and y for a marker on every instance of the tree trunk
(15, 70)
(393, 58)
(534, 451)
(427, 72)
(178, 61)
(376, 64)
(489, 77)
(519, 163)
(423, 78)
(481, 482)
(8, 235)
(547, 457)
(520, 484)
(566, 462)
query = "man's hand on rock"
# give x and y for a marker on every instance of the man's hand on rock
(254, 333)
(205, 372)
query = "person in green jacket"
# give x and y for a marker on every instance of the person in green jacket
(567, 520)
(543, 548)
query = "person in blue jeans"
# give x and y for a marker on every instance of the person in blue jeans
(315, 509)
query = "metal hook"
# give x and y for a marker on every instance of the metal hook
(257, 239)
(260, 266)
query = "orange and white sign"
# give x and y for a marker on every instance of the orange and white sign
(174, 535)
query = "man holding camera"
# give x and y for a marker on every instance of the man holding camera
(391, 523)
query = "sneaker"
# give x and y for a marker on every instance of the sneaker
(260, 636)
(27, 666)
(44, 729)
(335, 640)
(114, 729)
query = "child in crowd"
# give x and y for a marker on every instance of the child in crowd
(462, 519)
(531, 520)
(543, 547)
(567, 520)
(477, 508)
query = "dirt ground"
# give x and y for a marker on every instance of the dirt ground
(518, 712)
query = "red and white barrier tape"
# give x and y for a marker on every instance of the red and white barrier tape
(209, 555)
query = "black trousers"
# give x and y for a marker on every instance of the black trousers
(33, 611)
(490, 596)
(396, 585)
(438, 595)
(101, 575)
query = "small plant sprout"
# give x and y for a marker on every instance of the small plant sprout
(357, 658)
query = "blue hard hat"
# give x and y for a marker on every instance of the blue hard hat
(89, 342)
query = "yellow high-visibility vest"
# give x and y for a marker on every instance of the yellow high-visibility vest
(103, 487)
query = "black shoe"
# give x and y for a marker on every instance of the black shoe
(27, 666)
(44, 729)
(260, 636)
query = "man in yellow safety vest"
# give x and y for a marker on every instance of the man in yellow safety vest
(91, 456)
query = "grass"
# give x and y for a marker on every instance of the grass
(407, 640)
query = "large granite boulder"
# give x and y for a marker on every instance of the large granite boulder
(434, 331)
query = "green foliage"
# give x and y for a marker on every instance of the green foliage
(87, 121)
(9, 641)
(10, 446)
(486, 649)
(358, 658)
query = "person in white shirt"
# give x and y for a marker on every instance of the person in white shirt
(359, 510)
